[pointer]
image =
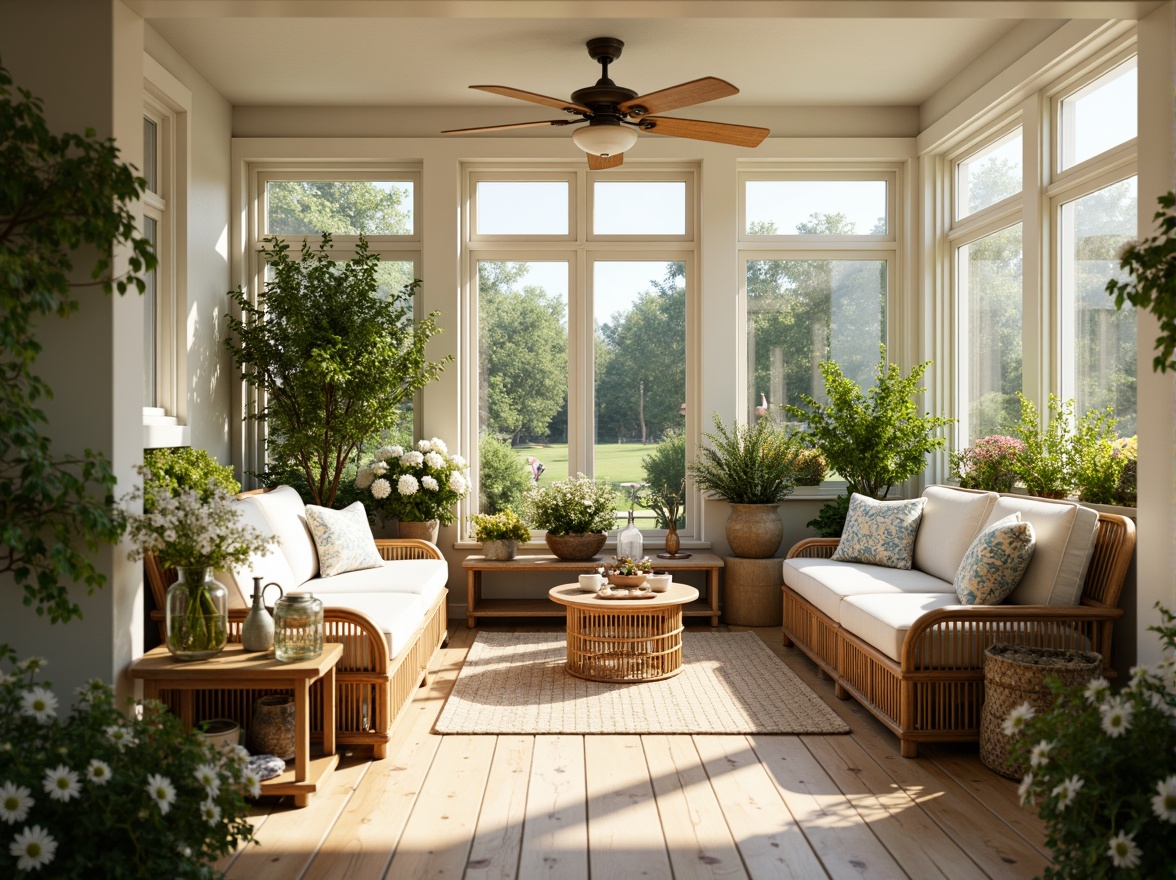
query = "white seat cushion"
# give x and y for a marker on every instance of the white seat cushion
(884, 620)
(420, 577)
(285, 514)
(824, 583)
(952, 519)
(270, 566)
(398, 615)
(1065, 541)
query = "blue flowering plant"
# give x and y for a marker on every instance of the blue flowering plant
(104, 794)
(415, 485)
(1102, 771)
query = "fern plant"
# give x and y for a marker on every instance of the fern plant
(750, 464)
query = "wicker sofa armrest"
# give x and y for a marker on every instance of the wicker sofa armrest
(407, 548)
(813, 548)
(956, 638)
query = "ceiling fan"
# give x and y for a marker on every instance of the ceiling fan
(615, 114)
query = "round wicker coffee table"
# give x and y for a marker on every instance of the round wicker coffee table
(624, 639)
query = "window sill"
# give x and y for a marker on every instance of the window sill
(161, 431)
(654, 544)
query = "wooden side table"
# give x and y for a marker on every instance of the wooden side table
(234, 669)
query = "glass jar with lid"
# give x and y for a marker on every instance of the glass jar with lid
(298, 627)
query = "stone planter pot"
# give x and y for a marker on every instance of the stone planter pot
(754, 531)
(425, 531)
(576, 548)
(500, 549)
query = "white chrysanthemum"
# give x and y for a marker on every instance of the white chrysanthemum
(424, 445)
(15, 801)
(1116, 716)
(1164, 803)
(458, 483)
(1096, 690)
(458, 461)
(98, 772)
(162, 791)
(412, 459)
(430, 484)
(1025, 789)
(1123, 851)
(33, 848)
(379, 468)
(1067, 790)
(407, 485)
(435, 461)
(381, 489)
(120, 736)
(251, 782)
(439, 444)
(39, 703)
(207, 776)
(210, 812)
(1039, 754)
(364, 478)
(1015, 722)
(61, 784)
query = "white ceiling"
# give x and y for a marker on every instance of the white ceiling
(431, 61)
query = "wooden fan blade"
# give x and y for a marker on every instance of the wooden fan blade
(599, 163)
(559, 104)
(683, 95)
(512, 125)
(719, 132)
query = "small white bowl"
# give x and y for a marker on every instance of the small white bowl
(591, 583)
(659, 583)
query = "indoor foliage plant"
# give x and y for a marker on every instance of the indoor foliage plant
(576, 513)
(1102, 771)
(107, 794)
(751, 467)
(988, 464)
(500, 533)
(419, 485)
(1051, 461)
(196, 533)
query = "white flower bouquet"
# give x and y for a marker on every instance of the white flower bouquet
(577, 505)
(415, 485)
(104, 789)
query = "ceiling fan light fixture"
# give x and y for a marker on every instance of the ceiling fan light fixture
(605, 140)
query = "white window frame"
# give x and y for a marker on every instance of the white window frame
(887, 173)
(581, 249)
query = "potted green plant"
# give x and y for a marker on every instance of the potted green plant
(576, 513)
(751, 468)
(1151, 265)
(500, 533)
(987, 464)
(1053, 457)
(417, 487)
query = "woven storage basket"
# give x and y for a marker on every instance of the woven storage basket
(1013, 675)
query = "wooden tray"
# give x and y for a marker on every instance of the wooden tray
(628, 594)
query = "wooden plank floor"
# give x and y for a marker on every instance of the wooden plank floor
(614, 807)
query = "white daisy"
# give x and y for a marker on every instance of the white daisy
(1116, 717)
(381, 489)
(1067, 791)
(251, 782)
(430, 484)
(98, 772)
(210, 812)
(407, 485)
(457, 483)
(1016, 719)
(1123, 851)
(1039, 754)
(33, 848)
(32, 664)
(39, 703)
(92, 690)
(161, 791)
(207, 776)
(15, 801)
(1025, 789)
(61, 784)
(1096, 689)
(120, 736)
(1164, 803)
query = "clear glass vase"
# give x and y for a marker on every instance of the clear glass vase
(197, 615)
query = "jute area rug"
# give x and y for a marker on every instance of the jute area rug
(730, 683)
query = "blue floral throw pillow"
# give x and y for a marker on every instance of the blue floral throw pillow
(880, 532)
(343, 539)
(995, 562)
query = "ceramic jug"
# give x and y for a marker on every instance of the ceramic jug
(257, 631)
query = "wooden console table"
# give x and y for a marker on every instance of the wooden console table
(476, 606)
(234, 669)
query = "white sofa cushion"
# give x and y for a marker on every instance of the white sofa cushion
(883, 620)
(271, 566)
(996, 561)
(398, 615)
(1065, 541)
(420, 577)
(282, 509)
(952, 518)
(343, 539)
(824, 583)
(880, 532)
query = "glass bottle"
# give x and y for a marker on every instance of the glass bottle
(197, 615)
(298, 628)
(629, 541)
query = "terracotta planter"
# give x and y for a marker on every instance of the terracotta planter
(499, 549)
(425, 531)
(754, 531)
(576, 548)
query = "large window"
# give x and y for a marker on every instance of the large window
(581, 287)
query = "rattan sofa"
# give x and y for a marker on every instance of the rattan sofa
(927, 685)
(391, 621)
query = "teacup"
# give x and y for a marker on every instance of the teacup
(591, 583)
(659, 582)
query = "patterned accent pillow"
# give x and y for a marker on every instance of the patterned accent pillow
(996, 561)
(880, 532)
(343, 538)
